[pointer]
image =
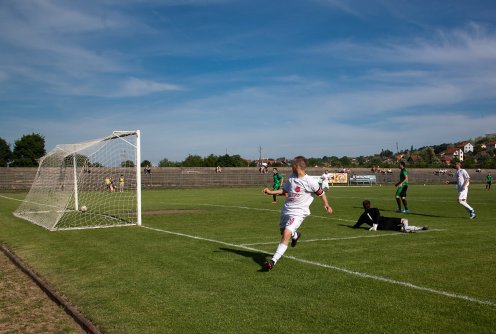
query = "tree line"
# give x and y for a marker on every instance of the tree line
(28, 149)
(26, 152)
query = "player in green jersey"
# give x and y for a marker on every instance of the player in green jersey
(277, 183)
(401, 189)
(489, 181)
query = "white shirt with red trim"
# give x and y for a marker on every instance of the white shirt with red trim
(300, 195)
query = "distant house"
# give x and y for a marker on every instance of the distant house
(413, 159)
(466, 147)
(491, 145)
(451, 153)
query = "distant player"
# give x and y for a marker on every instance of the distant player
(300, 187)
(121, 183)
(276, 185)
(489, 181)
(372, 217)
(462, 182)
(108, 184)
(402, 187)
(326, 178)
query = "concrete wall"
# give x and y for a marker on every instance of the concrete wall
(22, 178)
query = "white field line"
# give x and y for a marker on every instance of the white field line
(345, 238)
(340, 269)
(24, 201)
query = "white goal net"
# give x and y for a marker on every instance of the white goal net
(92, 184)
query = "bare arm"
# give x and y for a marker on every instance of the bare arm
(327, 207)
(273, 192)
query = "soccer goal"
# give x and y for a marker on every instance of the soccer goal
(93, 184)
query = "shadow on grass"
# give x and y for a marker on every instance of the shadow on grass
(358, 228)
(257, 257)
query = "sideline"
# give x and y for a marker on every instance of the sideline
(340, 269)
(78, 317)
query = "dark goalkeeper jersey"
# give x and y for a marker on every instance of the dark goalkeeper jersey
(373, 216)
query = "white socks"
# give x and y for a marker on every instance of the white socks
(281, 249)
(465, 204)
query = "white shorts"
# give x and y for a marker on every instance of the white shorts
(292, 223)
(462, 195)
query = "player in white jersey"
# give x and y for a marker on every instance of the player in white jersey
(326, 177)
(462, 182)
(300, 187)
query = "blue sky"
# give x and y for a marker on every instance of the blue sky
(316, 77)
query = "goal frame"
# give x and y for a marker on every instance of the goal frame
(71, 151)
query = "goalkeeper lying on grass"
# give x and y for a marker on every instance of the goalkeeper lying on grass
(373, 218)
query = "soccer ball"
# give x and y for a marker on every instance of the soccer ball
(84, 208)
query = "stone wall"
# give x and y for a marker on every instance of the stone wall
(21, 178)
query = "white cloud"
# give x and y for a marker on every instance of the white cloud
(140, 87)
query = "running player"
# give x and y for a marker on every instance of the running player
(463, 181)
(326, 177)
(299, 188)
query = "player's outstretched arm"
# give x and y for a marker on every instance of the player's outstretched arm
(267, 191)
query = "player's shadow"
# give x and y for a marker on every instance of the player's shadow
(358, 228)
(257, 257)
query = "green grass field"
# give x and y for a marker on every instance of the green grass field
(194, 266)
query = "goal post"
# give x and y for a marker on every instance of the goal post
(92, 184)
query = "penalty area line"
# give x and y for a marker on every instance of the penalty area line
(340, 269)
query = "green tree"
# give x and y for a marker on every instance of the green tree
(469, 162)
(5, 153)
(193, 161)
(429, 156)
(127, 163)
(345, 161)
(211, 161)
(145, 163)
(166, 163)
(28, 150)
(387, 154)
(231, 161)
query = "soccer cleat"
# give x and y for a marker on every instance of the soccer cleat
(268, 265)
(472, 214)
(274, 202)
(399, 211)
(425, 228)
(405, 211)
(295, 241)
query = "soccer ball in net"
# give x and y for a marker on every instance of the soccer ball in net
(84, 208)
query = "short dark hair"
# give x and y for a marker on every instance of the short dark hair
(366, 204)
(300, 161)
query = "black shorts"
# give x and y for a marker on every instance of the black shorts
(389, 223)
